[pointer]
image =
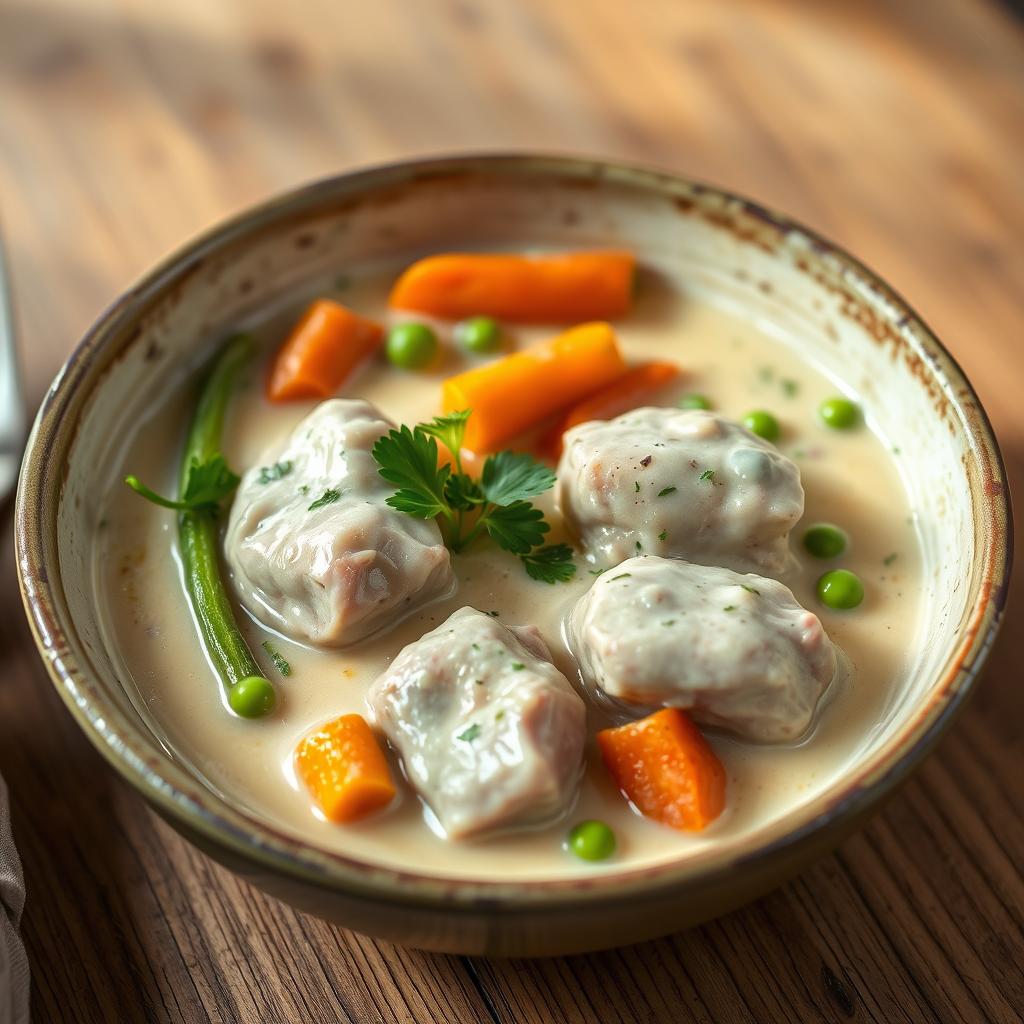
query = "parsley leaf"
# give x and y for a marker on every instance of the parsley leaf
(516, 527)
(268, 474)
(509, 477)
(495, 504)
(462, 491)
(470, 734)
(666, 490)
(329, 497)
(449, 429)
(551, 564)
(207, 484)
(708, 474)
(408, 458)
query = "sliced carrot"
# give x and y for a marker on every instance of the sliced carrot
(324, 347)
(559, 288)
(344, 769)
(515, 393)
(623, 394)
(666, 768)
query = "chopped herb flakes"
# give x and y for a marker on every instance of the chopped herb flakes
(639, 546)
(304, 490)
(280, 664)
(789, 387)
(499, 716)
(729, 608)
(329, 497)
(596, 572)
(669, 622)
(708, 474)
(889, 559)
(517, 666)
(470, 734)
(751, 590)
(268, 474)
(621, 576)
(663, 535)
(636, 485)
(666, 490)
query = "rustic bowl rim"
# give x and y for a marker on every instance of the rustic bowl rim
(177, 795)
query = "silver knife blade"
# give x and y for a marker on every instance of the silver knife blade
(12, 409)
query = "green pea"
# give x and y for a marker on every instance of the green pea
(823, 540)
(839, 413)
(762, 423)
(840, 588)
(695, 401)
(592, 840)
(411, 346)
(480, 334)
(252, 697)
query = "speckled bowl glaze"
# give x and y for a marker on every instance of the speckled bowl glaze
(765, 266)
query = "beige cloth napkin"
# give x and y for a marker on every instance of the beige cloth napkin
(13, 962)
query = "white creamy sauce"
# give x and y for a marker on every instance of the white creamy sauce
(850, 479)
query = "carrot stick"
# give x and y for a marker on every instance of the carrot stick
(345, 770)
(324, 347)
(621, 395)
(559, 288)
(512, 394)
(666, 768)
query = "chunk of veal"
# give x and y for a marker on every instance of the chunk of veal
(491, 733)
(736, 651)
(314, 550)
(678, 482)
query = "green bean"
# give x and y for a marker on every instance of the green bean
(249, 693)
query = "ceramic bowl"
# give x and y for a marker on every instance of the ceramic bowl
(763, 265)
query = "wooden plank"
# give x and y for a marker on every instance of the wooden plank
(895, 128)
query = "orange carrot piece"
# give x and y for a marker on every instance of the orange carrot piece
(324, 347)
(344, 769)
(558, 288)
(623, 394)
(664, 765)
(515, 393)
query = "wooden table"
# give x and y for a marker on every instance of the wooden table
(896, 128)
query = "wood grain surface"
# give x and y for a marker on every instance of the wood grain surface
(895, 128)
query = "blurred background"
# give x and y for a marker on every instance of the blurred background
(894, 127)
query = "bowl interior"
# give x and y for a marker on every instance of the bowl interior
(819, 301)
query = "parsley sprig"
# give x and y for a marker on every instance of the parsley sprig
(497, 504)
(207, 485)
